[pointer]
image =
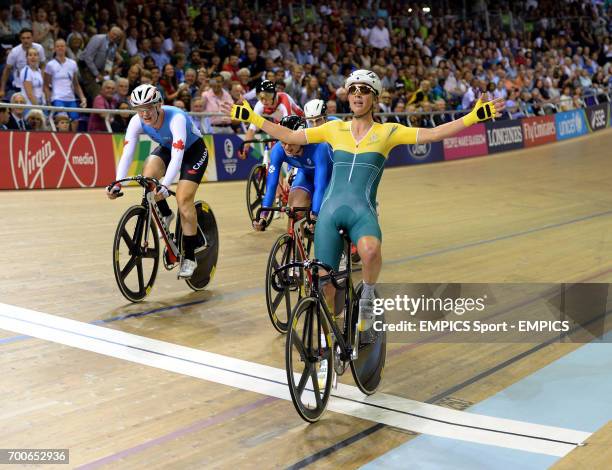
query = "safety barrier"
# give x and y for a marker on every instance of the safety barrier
(34, 160)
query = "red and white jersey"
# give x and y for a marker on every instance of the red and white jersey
(285, 106)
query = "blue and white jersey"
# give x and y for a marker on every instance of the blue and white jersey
(177, 133)
(175, 119)
(35, 78)
(315, 164)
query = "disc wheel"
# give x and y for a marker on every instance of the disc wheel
(208, 239)
(368, 368)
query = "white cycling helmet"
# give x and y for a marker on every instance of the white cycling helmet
(315, 108)
(367, 78)
(144, 95)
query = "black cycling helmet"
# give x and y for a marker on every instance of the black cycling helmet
(293, 122)
(266, 86)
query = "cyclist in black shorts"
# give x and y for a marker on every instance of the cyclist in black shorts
(181, 149)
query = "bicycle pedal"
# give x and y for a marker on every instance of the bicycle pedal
(322, 374)
(368, 336)
(201, 249)
(167, 264)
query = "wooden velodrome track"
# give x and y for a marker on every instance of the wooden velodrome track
(542, 214)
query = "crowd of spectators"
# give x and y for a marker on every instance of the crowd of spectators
(541, 56)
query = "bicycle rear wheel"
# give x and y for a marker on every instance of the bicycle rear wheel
(256, 190)
(208, 237)
(286, 291)
(368, 368)
(309, 359)
(131, 251)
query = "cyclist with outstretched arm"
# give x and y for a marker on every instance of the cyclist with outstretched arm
(181, 151)
(361, 147)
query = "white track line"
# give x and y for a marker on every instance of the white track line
(259, 378)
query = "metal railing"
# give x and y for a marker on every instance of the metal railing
(520, 110)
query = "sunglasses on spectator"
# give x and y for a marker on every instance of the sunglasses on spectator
(361, 89)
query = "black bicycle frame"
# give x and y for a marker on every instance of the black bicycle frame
(347, 350)
(152, 210)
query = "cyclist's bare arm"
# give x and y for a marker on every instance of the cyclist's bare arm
(451, 128)
(132, 133)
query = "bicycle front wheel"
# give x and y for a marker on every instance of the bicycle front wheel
(255, 189)
(309, 359)
(282, 297)
(135, 256)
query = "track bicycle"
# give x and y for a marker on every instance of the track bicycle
(256, 182)
(294, 245)
(317, 349)
(136, 244)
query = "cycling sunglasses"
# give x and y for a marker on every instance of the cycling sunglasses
(313, 122)
(361, 89)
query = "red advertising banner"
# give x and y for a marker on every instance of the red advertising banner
(471, 142)
(539, 130)
(49, 160)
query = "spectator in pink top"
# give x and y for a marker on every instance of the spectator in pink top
(213, 100)
(104, 100)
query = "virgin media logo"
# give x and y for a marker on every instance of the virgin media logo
(45, 160)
